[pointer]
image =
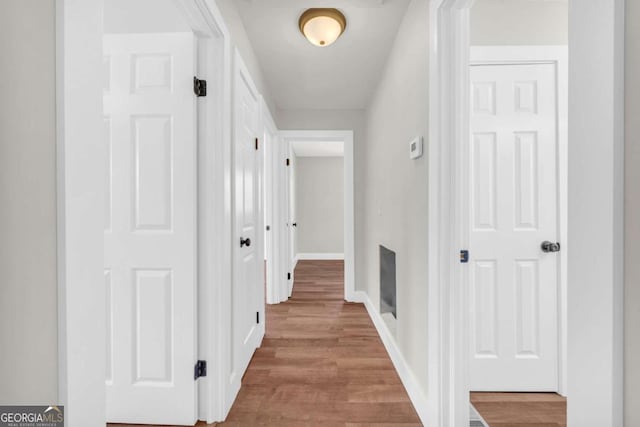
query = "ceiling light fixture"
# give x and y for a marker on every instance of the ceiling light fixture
(322, 27)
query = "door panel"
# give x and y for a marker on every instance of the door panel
(248, 288)
(291, 206)
(150, 228)
(514, 285)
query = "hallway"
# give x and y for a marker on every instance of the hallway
(321, 362)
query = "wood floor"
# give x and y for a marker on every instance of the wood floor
(521, 409)
(321, 363)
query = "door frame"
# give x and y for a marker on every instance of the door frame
(80, 202)
(558, 57)
(346, 137)
(271, 145)
(595, 206)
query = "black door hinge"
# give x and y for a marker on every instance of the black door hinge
(256, 143)
(257, 317)
(199, 87)
(288, 162)
(288, 276)
(200, 369)
(464, 256)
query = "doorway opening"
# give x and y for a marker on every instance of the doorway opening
(164, 200)
(455, 108)
(318, 196)
(150, 238)
(516, 193)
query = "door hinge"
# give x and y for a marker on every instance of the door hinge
(288, 276)
(464, 256)
(199, 87)
(200, 369)
(256, 143)
(288, 162)
(257, 317)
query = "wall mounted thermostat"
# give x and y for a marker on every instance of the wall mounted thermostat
(415, 148)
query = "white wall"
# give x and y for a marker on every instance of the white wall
(339, 120)
(320, 204)
(632, 214)
(239, 39)
(519, 22)
(395, 210)
(28, 290)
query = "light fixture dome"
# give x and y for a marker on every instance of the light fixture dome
(322, 27)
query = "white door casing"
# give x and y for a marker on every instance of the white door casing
(275, 278)
(292, 224)
(287, 249)
(150, 228)
(513, 209)
(248, 286)
(287, 181)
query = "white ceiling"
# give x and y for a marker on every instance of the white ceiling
(318, 148)
(341, 76)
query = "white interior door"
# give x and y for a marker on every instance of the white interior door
(287, 250)
(513, 187)
(291, 221)
(248, 287)
(293, 224)
(150, 228)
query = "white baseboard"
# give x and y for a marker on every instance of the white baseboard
(409, 381)
(319, 256)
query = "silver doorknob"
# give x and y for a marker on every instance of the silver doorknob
(547, 246)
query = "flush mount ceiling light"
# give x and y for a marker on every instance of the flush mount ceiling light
(322, 27)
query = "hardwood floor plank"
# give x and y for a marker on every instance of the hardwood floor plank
(521, 409)
(321, 362)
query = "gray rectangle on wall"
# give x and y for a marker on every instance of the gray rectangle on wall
(387, 281)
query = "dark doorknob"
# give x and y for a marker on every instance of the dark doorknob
(295, 224)
(245, 242)
(550, 247)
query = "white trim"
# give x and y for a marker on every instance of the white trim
(595, 275)
(292, 212)
(349, 201)
(80, 166)
(80, 203)
(409, 381)
(448, 349)
(214, 206)
(558, 56)
(596, 204)
(318, 256)
(270, 144)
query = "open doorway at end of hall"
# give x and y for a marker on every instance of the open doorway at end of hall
(317, 202)
(313, 213)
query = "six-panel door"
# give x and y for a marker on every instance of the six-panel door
(248, 287)
(150, 228)
(513, 209)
